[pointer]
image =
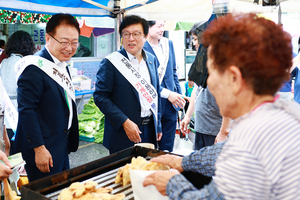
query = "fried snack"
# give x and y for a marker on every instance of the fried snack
(88, 191)
(126, 175)
(119, 196)
(141, 163)
(138, 162)
(158, 166)
(90, 186)
(76, 185)
(104, 190)
(87, 196)
(78, 192)
(119, 176)
(103, 196)
(65, 194)
(147, 166)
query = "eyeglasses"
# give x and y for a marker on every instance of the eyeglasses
(66, 44)
(135, 35)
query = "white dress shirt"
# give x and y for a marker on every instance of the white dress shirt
(142, 68)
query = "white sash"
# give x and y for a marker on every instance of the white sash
(10, 111)
(145, 89)
(163, 66)
(58, 74)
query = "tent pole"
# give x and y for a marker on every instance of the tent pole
(117, 16)
(98, 5)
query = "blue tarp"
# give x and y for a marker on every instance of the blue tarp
(74, 7)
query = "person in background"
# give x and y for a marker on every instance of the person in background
(261, 158)
(19, 44)
(209, 125)
(295, 74)
(125, 80)
(2, 52)
(5, 171)
(4, 140)
(171, 98)
(188, 86)
(47, 129)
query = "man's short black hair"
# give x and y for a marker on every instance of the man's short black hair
(2, 44)
(134, 19)
(59, 19)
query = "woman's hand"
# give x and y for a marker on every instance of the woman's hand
(160, 179)
(184, 124)
(172, 161)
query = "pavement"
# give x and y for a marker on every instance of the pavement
(87, 152)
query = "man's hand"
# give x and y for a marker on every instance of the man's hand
(172, 161)
(187, 99)
(159, 135)
(4, 158)
(132, 131)
(184, 123)
(160, 180)
(5, 171)
(43, 159)
(176, 99)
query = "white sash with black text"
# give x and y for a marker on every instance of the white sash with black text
(145, 89)
(58, 74)
(163, 66)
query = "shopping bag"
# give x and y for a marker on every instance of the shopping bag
(180, 141)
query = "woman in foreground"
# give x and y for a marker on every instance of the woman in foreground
(248, 60)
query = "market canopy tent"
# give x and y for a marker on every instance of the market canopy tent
(74, 7)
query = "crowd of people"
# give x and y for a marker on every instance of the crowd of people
(245, 135)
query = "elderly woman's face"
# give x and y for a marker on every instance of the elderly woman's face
(219, 85)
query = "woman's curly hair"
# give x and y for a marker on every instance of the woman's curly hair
(20, 42)
(257, 46)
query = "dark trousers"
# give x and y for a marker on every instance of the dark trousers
(203, 140)
(168, 123)
(148, 132)
(147, 136)
(10, 134)
(33, 173)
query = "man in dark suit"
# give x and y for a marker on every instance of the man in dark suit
(171, 98)
(128, 118)
(47, 129)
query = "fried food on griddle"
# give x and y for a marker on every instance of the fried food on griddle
(123, 175)
(119, 176)
(138, 162)
(88, 191)
(90, 185)
(65, 194)
(76, 185)
(119, 196)
(104, 190)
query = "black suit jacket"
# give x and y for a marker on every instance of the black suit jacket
(44, 116)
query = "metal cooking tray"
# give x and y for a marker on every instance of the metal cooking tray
(102, 171)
